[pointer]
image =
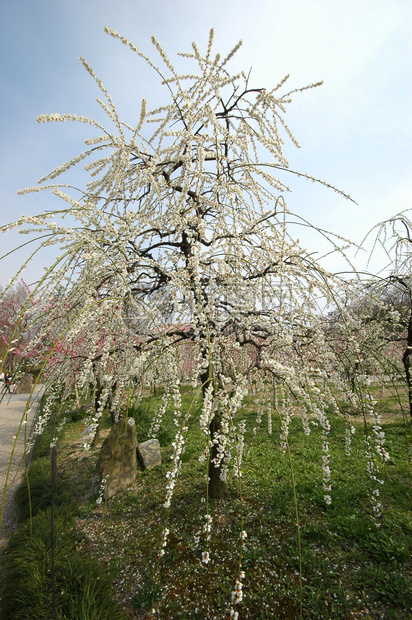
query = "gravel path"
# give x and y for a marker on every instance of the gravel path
(13, 409)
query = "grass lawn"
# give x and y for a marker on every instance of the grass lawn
(345, 563)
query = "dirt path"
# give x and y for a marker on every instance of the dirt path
(13, 410)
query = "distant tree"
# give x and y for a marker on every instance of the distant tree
(395, 237)
(14, 329)
(366, 328)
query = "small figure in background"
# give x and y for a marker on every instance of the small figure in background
(7, 379)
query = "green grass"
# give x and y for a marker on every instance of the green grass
(34, 494)
(353, 565)
(82, 589)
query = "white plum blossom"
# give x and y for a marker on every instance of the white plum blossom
(178, 266)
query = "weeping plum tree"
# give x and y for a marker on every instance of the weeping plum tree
(177, 258)
(182, 238)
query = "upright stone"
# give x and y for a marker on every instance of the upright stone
(148, 453)
(117, 461)
(25, 384)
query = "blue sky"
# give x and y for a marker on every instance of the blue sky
(355, 130)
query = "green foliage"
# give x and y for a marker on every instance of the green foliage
(41, 448)
(345, 551)
(34, 494)
(79, 414)
(144, 411)
(148, 594)
(83, 592)
(143, 417)
(353, 565)
(83, 589)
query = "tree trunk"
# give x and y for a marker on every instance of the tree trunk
(76, 393)
(113, 413)
(407, 363)
(216, 486)
(352, 375)
(98, 394)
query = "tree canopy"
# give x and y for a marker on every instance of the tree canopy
(177, 258)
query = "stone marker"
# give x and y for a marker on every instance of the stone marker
(117, 459)
(148, 453)
(25, 384)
